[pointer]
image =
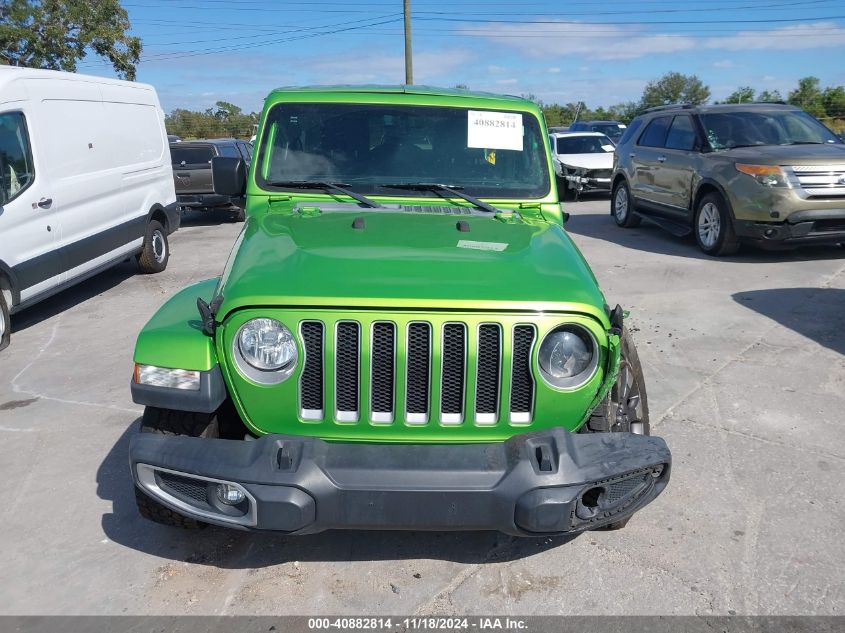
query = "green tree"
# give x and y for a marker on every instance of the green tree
(770, 95)
(57, 34)
(808, 96)
(674, 88)
(741, 95)
(833, 99)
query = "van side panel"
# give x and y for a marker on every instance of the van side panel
(104, 145)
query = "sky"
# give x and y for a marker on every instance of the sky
(197, 52)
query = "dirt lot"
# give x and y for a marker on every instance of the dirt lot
(745, 363)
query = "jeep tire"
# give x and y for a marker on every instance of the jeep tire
(622, 207)
(171, 422)
(713, 227)
(155, 251)
(625, 408)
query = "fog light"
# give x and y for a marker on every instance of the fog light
(229, 494)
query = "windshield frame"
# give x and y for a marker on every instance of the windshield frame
(374, 185)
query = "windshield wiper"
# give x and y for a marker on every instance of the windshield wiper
(438, 188)
(340, 187)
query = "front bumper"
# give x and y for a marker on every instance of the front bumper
(822, 226)
(550, 482)
(203, 201)
(578, 182)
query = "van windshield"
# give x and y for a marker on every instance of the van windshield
(764, 127)
(498, 154)
(191, 154)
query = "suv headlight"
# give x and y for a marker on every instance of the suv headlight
(265, 350)
(568, 356)
(768, 175)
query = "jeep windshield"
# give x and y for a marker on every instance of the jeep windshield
(727, 130)
(368, 147)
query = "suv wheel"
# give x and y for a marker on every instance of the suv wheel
(713, 228)
(621, 207)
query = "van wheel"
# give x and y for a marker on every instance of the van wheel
(621, 207)
(713, 228)
(5, 323)
(155, 251)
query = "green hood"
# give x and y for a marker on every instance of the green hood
(407, 260)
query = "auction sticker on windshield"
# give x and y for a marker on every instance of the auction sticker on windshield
(494, 130)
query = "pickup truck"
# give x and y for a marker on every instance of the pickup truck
(192, 174)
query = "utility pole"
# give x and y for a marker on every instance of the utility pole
(409, 63)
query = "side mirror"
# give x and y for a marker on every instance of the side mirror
(228, 176)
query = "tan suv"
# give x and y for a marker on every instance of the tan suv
(764, 173)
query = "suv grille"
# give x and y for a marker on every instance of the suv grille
(368, 369)
(824, 181)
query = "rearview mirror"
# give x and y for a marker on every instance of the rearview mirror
(228, 176)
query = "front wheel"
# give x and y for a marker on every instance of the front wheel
(714, 231)
(622, 207)
(625, 408)
(155, 251)
(171, 422)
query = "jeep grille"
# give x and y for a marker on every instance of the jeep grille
(418, 376)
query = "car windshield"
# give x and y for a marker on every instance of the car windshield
(612, 130)
(764, 127)
(498, 154)
(191, 155)
(584, 145)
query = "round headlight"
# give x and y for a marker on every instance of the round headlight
(266, 345)
(568, 357)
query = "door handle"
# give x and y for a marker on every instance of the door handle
(45, 203)
(661, 159)
(632, 155)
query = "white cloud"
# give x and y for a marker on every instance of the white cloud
(381, 67)
(605, 41)
(598, 41)
(553, 70)
(802, 36)
(507, 82)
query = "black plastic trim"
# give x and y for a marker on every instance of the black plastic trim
(721, 190)
(14, 284)
(493, 486)
(207, 399)
(57, 261)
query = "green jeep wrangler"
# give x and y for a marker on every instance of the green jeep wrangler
(403, 337)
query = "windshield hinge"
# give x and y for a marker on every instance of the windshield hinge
(208, 312)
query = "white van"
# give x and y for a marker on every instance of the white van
(85, 182)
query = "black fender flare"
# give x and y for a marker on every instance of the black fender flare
(170, 213)
(719, 188)
(14, 285)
